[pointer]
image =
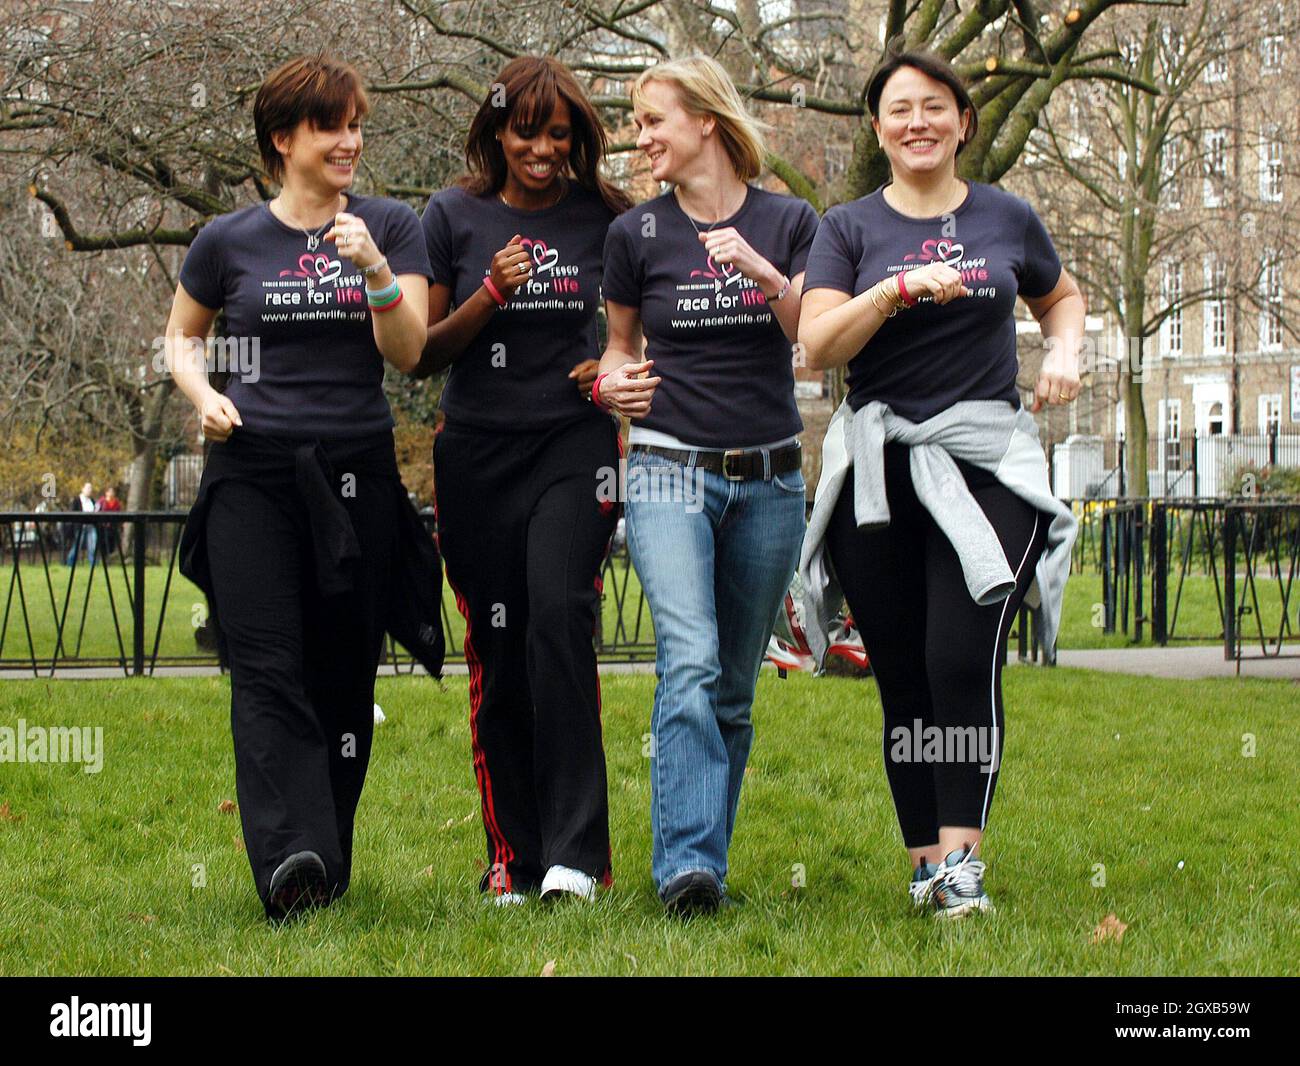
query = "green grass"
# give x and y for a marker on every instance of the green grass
(96, 871)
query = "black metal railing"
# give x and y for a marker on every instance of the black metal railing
(1147, 552)
(100, 589)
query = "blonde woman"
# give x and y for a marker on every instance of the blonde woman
(710, 274)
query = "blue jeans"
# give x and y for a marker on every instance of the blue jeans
(83, 536)
(715, 561)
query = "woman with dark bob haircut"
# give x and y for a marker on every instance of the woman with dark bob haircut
(933, 513)
(515, 248)
(302, 536)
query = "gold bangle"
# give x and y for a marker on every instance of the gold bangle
(872, 293)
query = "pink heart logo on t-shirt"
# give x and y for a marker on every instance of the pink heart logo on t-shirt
(544, 258)
(949, 252)
(327, 269)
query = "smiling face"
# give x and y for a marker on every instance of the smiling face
(918, 126)
(326, 158)
(533, 163)
(670, 136)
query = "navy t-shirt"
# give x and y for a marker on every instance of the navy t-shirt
(307, 364)
(726, 365)
(929, 357)
(514, 374)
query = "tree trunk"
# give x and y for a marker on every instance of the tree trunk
(1135, 444)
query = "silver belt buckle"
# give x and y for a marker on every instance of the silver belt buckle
(725, 457)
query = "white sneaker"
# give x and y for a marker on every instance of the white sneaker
(924, 879)
(506, 899)
(561, 880)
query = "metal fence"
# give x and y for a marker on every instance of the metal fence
(1181, 466)
(1146, 551)
(101, 590)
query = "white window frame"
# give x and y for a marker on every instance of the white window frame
(1270, 163)
(1171, 291)
(1270, 313)
(1215, 315)
(1216, 69)
(1216, 167)
(1272, 53)
(1269, 413)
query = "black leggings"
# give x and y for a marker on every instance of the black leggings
(936, 654)
(524, 534)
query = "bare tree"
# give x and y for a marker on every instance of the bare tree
(1138, 184)
(130, 123)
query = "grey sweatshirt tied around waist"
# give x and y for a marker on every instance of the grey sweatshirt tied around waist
(990, 434)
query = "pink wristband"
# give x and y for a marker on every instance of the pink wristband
(902, 290)
(595, 389)
(493, 291)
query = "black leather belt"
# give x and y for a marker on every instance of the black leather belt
(735, 464)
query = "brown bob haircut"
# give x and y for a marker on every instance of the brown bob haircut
(522, 97)
(318, 88)
(931, 65)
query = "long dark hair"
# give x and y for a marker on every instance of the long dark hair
(530, 86)
(932, 65)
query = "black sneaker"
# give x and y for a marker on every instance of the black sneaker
(298, 884)
(692, 892)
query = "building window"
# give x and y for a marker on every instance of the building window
(1217, 67)
(1216, 306)
(1271, 52)
(1170, 161)
(1171, 293)
(1272, 45)
(838, 156)
(1077, 141)
(1270, 413)
(1270, 163)
(1216, 166)
(1214, 419)
(1270, 315)
(1171, 424)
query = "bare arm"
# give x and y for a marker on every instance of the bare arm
(1060, 314)
(834, 326)
(185, 349)
(448, 333)
(628, 389)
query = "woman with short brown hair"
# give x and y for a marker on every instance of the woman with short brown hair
(302, 535)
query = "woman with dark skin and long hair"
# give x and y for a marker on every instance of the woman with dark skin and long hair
(515, 248)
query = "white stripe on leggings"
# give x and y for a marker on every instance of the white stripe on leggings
(993, 676)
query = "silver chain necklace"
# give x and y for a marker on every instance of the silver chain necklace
(710, 225)
(313, 239)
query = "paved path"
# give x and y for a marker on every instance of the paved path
(1193, 662)
(1186, 662)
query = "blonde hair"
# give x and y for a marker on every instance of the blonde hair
(706, 88)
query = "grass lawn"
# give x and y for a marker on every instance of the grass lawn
(97, 872)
